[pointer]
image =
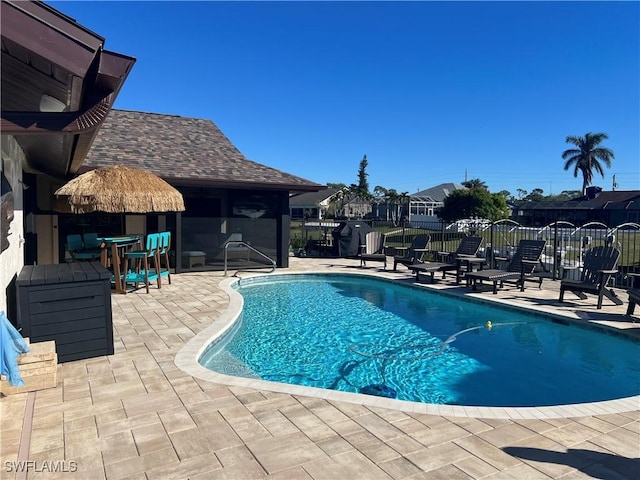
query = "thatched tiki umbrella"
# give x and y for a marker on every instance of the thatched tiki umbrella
(118, 189)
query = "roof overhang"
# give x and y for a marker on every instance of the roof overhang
(50, 62)
(240, 184)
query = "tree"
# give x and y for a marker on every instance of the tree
(394, 201)
(403, 198)
(587, 157)
(474, 203)
(339, 199)
(362, 189)
(380, 196)
(535, 195)
(475, 183)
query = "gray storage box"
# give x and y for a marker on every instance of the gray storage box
(69, 303)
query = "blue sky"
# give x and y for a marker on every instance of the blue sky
(429, 91)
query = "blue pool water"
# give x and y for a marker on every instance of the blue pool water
(366, 335)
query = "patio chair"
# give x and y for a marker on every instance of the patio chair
(598, 266)
(634, 299)
(163, 255)
(521, 266)
(373, 249)
(91, 243)
(142, 259)
(414, 253)
(464, 256)
(77, 250)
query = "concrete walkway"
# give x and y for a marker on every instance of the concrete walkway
(137, 415)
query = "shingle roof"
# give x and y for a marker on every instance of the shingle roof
(625, 199)
(183, 151)
(439, 192)
(312, 198)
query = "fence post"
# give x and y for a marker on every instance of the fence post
(304, 230)
(442, 237)
(491, 261)
(555, 251)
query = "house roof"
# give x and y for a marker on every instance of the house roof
(312, 198)
(58, 85)
(437, 193)
(620, 199)
(183, 151)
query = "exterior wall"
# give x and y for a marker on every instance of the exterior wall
(419, 219)
(357, 209)
(47, 238)
(46, 225)
(12, 259)
(136, 224)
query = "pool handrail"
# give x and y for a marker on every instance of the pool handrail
(239, 243)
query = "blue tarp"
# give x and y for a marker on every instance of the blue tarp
(11, 346)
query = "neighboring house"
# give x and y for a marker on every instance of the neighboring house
(329, 203)
(354, 207)
(311, 205)
(424, 205)
(611, 208)
(58, 86)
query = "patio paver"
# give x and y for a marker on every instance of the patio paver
(135, 414)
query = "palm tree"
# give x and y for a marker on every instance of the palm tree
(380, 196)
(339, 199)
(475, 183)
(587, 157)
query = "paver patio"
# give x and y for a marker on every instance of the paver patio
(136, 415)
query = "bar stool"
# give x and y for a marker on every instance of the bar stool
(163, 255)
(142, 260)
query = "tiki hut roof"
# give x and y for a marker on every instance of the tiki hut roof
(118, 189)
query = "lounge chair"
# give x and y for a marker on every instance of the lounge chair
(598, 266)
(373, 249)
(634, 299)
(464, 256)
(414, 253)
(521, 266)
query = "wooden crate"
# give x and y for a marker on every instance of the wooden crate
(39, 369)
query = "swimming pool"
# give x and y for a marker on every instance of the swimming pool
(364, 335)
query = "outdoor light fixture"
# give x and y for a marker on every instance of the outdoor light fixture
(51, 104)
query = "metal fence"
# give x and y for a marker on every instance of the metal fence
(564, 250)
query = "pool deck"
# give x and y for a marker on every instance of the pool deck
(137, 415)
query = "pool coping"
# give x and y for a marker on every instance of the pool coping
(187, 361)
